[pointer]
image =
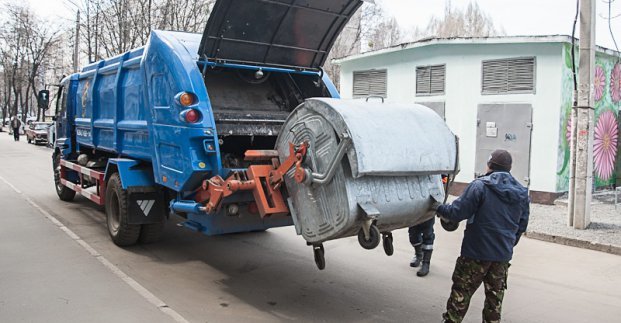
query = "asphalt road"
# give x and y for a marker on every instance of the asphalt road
(255, 277)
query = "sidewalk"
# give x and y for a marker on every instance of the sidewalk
(549, 223)
(46, 276)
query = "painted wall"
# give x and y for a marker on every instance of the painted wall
(463, 94)
(607, 95)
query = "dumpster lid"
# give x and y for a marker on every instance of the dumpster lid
(283, 33)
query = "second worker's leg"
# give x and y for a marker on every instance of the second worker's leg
(427, 246)
(416, 241)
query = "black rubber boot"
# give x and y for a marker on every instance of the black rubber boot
(424, 270)
(418, 256)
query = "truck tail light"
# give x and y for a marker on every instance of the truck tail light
(186, 99)
(192, 116)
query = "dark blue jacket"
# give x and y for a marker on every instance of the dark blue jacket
(497, 209)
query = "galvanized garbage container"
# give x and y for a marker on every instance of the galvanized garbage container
(396, 154)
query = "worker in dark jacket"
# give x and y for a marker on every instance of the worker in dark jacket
(497, 208)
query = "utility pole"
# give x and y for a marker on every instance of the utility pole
(77, 42)
(582, 124)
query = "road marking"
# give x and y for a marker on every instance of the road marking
(141, 290)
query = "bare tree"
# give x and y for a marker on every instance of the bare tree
(387, 33)
(471, 22)
(354, 38)
(25, 43)
(113, 27)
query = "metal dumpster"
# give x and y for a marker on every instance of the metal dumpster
(395, 156)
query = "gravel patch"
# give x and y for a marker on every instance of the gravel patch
(605, 227)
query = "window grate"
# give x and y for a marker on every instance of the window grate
(430, 79)
(514, 75)
(370, 83)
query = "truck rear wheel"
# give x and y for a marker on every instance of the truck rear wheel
(64, 193)
(117, 206)
(151, 232)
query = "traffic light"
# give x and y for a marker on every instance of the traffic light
(43, 99)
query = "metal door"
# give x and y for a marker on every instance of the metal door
(509, 127)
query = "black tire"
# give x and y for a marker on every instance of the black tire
(320, 259)
(374, 238)
(387, 243)
(117, 207)
(151, 232)
(449, 226)
(64, 193)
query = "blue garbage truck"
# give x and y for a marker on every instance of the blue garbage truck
(205, 127)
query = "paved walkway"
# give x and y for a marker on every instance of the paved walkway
(46, 276)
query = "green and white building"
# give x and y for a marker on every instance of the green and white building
(500, 92)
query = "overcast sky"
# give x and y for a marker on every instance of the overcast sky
(517, 17)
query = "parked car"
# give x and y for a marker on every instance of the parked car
(37, 132)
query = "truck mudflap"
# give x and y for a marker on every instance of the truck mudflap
(146, 207)
(349, 168)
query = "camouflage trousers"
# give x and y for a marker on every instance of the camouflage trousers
(467, 277)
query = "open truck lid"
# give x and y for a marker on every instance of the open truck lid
(283, 33)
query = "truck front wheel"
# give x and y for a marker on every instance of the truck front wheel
(64, 193)
(117, 206)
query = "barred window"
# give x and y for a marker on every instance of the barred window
(430, 80)
(369, 83)
(513, 75)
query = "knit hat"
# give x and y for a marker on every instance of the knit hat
(500, 160)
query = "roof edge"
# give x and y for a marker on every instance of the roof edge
(471, 40)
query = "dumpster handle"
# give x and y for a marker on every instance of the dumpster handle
(327, 176)
(449, 182)
(375, 97)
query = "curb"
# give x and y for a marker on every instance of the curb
(615, 250)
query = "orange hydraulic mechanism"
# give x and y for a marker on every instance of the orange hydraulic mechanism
(264, 180)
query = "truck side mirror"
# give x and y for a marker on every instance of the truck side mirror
(43, 99)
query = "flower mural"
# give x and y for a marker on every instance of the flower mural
(615, 83)
(599, 83)
(605, 145)
(606, 103)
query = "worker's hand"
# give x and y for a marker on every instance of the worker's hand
(434, 206)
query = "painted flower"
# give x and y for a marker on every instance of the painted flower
(605, 145)
(599, 82)
(615, 83)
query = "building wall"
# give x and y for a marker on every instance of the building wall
(607, 98)
(463, 94)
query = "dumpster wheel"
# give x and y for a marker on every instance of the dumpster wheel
(320, 260)
(387, 243)
(372, 241)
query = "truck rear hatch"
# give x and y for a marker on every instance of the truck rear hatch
(280, 33)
